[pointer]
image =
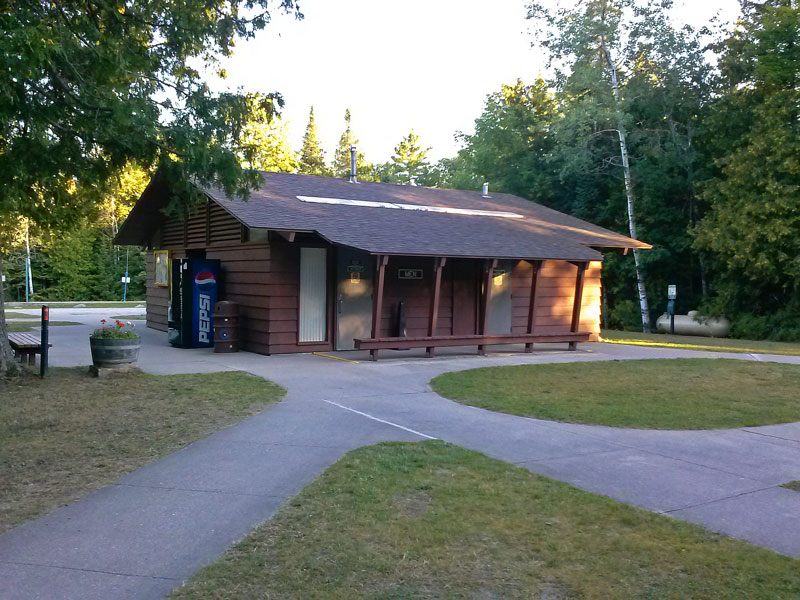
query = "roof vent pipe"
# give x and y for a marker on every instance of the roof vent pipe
(486, 190)
(353, 169)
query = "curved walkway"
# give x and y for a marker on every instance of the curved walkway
(143, 535)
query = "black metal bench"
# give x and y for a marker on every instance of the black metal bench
(26, 346)
(431, 342)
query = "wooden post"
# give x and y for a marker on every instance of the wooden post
(487, 295)
(433, 315)
(377, 301)
(576, 303)
(537, 265)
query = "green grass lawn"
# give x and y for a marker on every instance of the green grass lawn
(688, 393)
(792, 485)
(33, 325)
(432, 520)
(68, 434)
(139, 317)
(688, 342)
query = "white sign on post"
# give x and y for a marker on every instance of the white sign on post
(672, 292)
(126, 280)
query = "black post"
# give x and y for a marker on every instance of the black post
(45, 342)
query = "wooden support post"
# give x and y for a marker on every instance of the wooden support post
(487, 296)
(537, 266)
(377, 301)
(433, 315)
(576, 303)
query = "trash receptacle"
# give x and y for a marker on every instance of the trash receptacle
(226, 327)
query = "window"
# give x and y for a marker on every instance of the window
(313, 295)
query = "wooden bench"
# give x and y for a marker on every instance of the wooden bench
(431, 342)
(26, 345)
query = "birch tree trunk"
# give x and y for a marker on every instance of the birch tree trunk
(7, 362)
(626, 169)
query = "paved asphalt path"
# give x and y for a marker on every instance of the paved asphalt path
(145, 534)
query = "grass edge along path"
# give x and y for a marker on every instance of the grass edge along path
(69, 434)
(679, 393)
(433, 520)
(25, 326)
(709, 344)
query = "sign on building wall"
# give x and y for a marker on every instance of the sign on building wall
(409, 273)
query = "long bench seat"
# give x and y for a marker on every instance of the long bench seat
(431, 342)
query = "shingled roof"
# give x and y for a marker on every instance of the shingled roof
(403, 220)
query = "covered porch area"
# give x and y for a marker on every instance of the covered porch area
(434, 302)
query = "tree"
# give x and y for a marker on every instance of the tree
(93, 84)
(512, 146)
(341, 160)
(752, 225)
(267, 147)
(599, 50)
(408, 162)
(312, 156)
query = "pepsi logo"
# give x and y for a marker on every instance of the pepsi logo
(205, 279)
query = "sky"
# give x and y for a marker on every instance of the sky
(421, 64)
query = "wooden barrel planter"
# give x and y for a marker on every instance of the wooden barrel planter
(114, 353)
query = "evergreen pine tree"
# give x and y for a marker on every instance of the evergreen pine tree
(312, 157)
(341, 161)
(408, 161)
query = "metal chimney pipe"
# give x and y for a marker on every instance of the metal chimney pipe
(353, 169)
(486, 190)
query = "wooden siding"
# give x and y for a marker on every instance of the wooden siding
(207, 225)
(283, 291)
(416, 296)
(555, 293)
(241, 267)
(157, 297)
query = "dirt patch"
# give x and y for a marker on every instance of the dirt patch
(413, 503)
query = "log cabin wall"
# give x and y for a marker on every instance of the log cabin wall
(555, 294)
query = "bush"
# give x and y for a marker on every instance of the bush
(626, 316)
(781, 326)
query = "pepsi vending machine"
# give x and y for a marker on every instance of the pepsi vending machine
(194, 292)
